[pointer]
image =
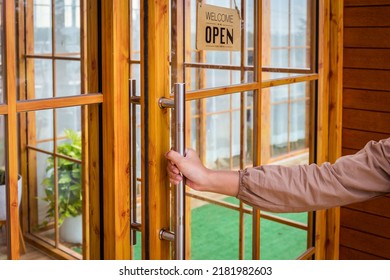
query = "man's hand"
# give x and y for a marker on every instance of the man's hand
(198, 177)
(188, 166)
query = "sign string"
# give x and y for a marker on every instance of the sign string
(238, 11)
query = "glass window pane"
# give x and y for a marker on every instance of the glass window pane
(41, 76)
(2, 141)
(70, 200)
(279, 22)
(51, 176)
(218, 141)
(67, 26)
(282, 242)
(279, 129)
(236, 141)
(41, 184)
(249, 130)
(279, 94)
(42, 26)
(214, 233)
(298, 90)
(298, 128)
(286, 33)
(212, 75)
(3, 213)
(1, 56)
(135, 74)
(135, 27)
(290, 115)
(299, 23)
(218, 103)
(68, 122)
(68, 78)
(279, 58)
(41, 136)
(298, 58)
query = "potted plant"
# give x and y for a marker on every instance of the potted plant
(69, 196)
(3, 204)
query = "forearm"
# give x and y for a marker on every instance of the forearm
(303, 188)
(223, 182)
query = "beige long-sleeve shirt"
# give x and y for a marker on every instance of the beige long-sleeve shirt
(350, 179)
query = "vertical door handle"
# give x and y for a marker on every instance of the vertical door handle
(134, 100)
(178, 104)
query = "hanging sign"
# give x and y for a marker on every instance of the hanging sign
(218, 28)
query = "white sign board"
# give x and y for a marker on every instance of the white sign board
(218, 28)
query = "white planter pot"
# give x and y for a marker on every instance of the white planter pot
(3, 203)
(71, 230)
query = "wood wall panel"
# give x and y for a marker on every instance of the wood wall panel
(365, 222)
(365, 242)
(377, 206)
(369, 37)
(368, 17)
(366, 100)
(365, 226)
(352, 3)
(367, 58)
(367, 79)
(357, 139)
(352, 254)
(366, 120)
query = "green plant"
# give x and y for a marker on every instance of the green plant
(2, 177)
(69, 180)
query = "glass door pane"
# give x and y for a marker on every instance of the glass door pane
(220, 129)
(223, 113)
(3, 213)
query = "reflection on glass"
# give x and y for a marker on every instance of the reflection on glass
(2, 141)
(70, 196)
(56, 36)
(43, 130)
(68, 78)
(135, 25)
(213, 75)
(3, 231)
(135, 74)
(218, 103)
(289, 125)
(42, 26)
(41, 213)
(218, 141)
(282, 242)
(68, 122)
(55, 176)
(279, 129)
(67, 23)
(1, 55)
(43, 78)
(214, 233)
(287, 39)
(215, 130)
(248, 148)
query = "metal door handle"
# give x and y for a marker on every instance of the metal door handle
(134, 101)
(178, 104)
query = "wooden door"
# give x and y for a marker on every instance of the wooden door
(237, 116)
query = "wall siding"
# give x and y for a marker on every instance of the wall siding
(365, 227)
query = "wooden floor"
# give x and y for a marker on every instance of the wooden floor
(34, 254)
(31, 252)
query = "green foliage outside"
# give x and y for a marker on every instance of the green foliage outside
(69, 180)
(2, 177)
